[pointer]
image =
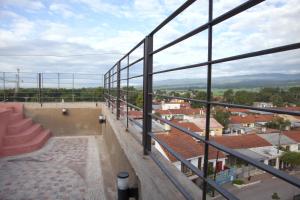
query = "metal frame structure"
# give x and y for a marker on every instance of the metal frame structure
(15, 84)
(148, 94)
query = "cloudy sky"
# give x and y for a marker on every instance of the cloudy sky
(48, 34)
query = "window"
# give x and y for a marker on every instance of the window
(287, 148)
(184, 169)
(272, 162)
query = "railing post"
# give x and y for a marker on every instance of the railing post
(73, 97)
(127, 93)
(104, 87)
(109, 84)
(208, 98)
(118, 91)
(40, 88)
(147, 86)
(3, 86)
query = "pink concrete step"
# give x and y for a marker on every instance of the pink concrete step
(23, 136)
(27, 147)
(15, 117)
(19, 126)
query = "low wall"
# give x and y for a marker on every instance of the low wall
(81, 119)
(152, 182)
(4, 117)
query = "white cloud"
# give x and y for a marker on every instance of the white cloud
(25, 4)
(62, 9)
(117, 28)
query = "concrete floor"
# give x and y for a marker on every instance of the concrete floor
(65, 168)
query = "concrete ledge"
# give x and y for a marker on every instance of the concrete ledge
(153, 183)
(246, 185)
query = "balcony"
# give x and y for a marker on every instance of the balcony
(170, 150)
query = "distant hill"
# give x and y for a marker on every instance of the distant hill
(241, 81)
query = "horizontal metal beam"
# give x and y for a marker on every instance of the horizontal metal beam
(223, 17)
(131, 105)
(133, 63)
(280, 174)
(173, 179)
(237, 57)
(173, 15)
(215, 103)
(197, 171)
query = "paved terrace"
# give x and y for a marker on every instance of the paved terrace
(65, 168)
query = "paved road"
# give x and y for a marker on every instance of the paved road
(264, 190)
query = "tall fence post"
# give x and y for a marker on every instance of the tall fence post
(147, 86)
(104, 87)
(109, 84)
(127, 93)
(58, 80)
(73, 97)
(3, 86)
(208, 98)
(118, 90)
(40, 87)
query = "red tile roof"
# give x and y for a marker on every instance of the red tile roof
(188, 125)
(294, 135)
(250, 119)
(185, 145)
(188, 111)
(241, 141)
(135, 114)
(201, 122)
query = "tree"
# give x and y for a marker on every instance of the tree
(200, 95)
(139, 100)
(275, 196)
(278, 123)
(291, 157)
(244, 97)
(186, 95)
(277, 100)
(228, 96)
(222, 117)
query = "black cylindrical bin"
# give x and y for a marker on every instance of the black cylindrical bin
(122, 184)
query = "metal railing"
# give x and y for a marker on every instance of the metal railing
(116, 96)
(50, 87)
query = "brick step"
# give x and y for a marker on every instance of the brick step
(15, 117)
(24, 136)
(19, 126)
(27, 147)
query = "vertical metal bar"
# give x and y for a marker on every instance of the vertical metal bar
(73, 87)
(208, 98)
(109, 84)
(127, 92)
(42, 86)
(58, 81)
(118, 90)
(147, 86)
(104, 87)
(40, 91)
(3, 86)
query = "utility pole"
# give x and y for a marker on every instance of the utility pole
(17, 83)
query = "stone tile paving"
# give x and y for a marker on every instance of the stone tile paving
(66, 168)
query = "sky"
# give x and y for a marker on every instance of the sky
(89, 36)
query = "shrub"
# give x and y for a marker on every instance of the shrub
(238, 182)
